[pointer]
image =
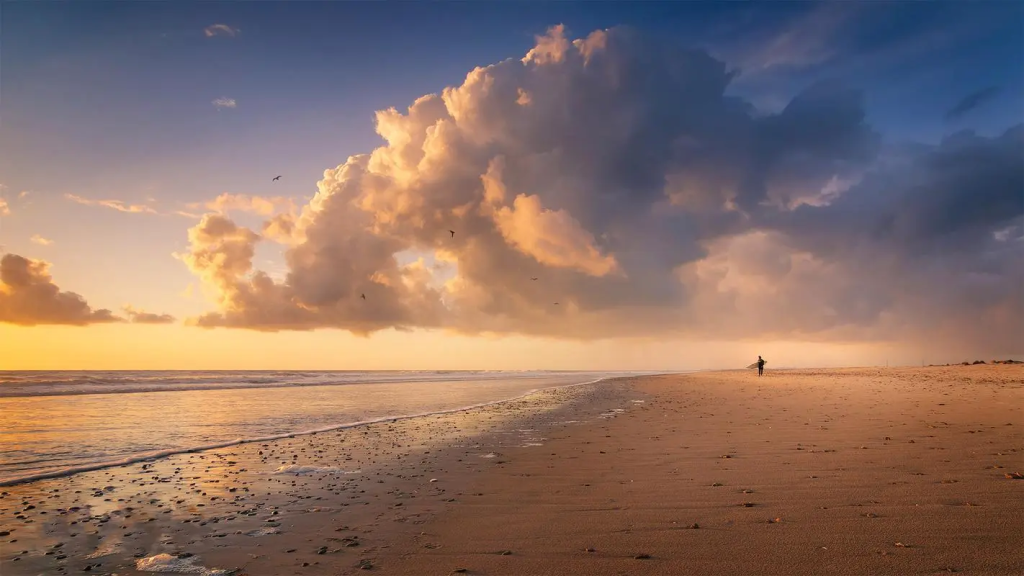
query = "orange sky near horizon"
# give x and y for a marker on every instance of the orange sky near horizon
(173, 347)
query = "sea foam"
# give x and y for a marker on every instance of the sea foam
(173, 564)
(301, 470)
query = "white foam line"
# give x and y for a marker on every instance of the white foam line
(172, 451)
(96, 389)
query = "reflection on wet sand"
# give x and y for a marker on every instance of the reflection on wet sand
(306, 501)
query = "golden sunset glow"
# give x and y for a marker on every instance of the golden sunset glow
(537, 213)
(165, 347)
(515, 288)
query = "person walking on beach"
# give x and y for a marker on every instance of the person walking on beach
(760, 365)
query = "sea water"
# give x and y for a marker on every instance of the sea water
(62, 422)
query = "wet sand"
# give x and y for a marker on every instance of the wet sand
(871, 471)
(326, 503)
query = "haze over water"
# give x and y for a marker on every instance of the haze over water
(63, 421)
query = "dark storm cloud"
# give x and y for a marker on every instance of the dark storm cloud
(616, 171)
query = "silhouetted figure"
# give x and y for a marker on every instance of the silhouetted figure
(276, 178)
(363, 296)
(760, 365)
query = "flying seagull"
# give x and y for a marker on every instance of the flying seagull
(532, 278)
(276, 178)
(556, 303)
(453, 233)
(363, 296)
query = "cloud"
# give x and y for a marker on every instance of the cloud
(5, 205)
(37, 239)
(646, 202)
(914, 248)
(808, 41)
(223, 102)
(814, 37)
(282, 229)
(28, 297)
(972, 101)
(553, 238)
(265, 206)
(221, 251)
(136, 316)
(112, 204)
(220, 30)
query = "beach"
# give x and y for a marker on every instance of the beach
(62, 422)
(837, 471)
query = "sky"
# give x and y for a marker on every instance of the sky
(630, 186)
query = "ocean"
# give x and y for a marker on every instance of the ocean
(63, 422)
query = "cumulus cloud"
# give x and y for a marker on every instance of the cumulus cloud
(616, 171)
(29, 297)
(282, 229)
(914, 246)
(223, 102)
(137, 316)
(220, 30)
(37, 239)
(551, 237)
(113, 204)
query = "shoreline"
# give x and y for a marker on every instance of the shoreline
(164, 453)
(100, 389)
(848, 471)
(108, 520)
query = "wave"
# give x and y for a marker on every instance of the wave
(157, 454)
(29, 384)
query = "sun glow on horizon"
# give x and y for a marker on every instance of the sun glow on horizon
(178, 347)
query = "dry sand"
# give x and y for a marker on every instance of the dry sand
(869, 471)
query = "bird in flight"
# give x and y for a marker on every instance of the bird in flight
(363, 296)
(556, 303)
(532, 278)
(453, 233)
(276, 178)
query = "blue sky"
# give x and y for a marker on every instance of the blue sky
(93, 85)
(114, 100)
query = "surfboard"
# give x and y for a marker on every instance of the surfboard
(754, 365)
